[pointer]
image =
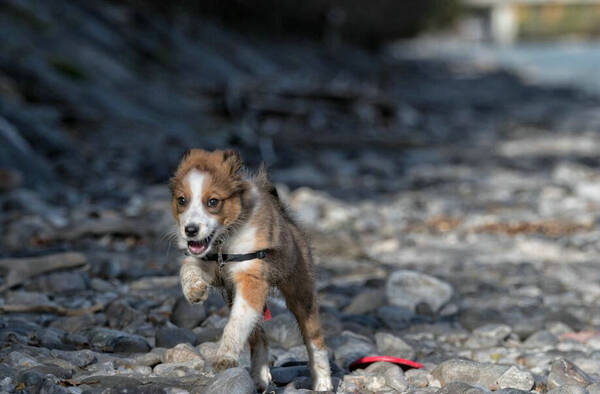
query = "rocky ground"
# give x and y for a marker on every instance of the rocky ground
(453, 209)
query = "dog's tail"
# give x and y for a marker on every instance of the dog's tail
(263, 182)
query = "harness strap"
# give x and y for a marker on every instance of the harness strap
(227, 258)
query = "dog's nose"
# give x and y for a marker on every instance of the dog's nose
(191, 230)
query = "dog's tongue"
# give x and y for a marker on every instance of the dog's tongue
(196, 247)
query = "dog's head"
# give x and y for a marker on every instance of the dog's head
(207, 197)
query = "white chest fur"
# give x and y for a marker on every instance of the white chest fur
(242, 241)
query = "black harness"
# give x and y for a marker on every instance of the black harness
(229, 258)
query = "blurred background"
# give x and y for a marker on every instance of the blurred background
(442, 137)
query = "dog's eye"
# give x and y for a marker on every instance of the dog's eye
(181, 201)
(212, 203)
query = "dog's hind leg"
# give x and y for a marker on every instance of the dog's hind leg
(259, 353)
(301, 300)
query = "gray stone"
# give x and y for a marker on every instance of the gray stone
(495, 331)
(79, 358)
(155, 356)
(568, 389)
(418, 377)
(62, 282)
(541, 339)
(284, 375)
(181, 353)
(169, 337)
(564, 372)
(366, 301)
(593, 388)
(234, 380)
(394, 377)
(461, 388)
(179, 369)
(207, 334)
(409, 288)
(471, 372)
(108, 340)
(391, 345)
(350, 346)
(395, 317)
(186, 315)
(21, 360)
(516, 379)
(208, 350)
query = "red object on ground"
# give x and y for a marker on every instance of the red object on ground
(364, 361)
(266, 313)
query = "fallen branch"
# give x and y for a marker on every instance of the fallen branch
(56, 309)
(23, 268)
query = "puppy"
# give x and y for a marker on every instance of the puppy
(238, 236)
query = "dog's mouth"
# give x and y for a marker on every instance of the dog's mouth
(199, 247)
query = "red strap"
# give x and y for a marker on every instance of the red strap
(266, 313)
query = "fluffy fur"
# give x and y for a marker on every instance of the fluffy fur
(235, 213)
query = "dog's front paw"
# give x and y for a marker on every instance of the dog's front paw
(223, 363)
(195, 292)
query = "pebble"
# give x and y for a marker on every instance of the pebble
(410, 288)
(541, 339)
(391, 345)
(181, 353)
(366, 301)
(516, 379)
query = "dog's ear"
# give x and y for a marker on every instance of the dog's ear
(233, 161)
(185, 154)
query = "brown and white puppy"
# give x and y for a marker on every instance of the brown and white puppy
(219, 208)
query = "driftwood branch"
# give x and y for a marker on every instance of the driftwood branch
(56, 309)
(23, 268)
